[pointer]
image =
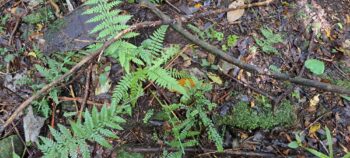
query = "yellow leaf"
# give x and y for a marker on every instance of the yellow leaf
(313, 103)
(243, 136)
(328, 33)
(39, 27)
(285, 4)
(314, 128)
(32, 54)
(184, 81)
(215, 78)
(198, 5)
(252, 104)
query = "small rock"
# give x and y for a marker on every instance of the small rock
(258, 137)
(197, 73)
(70, 33)
(32, 125)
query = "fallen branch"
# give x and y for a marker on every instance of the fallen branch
(86, 92)
(81, 100)
(84, 61)
(207, 152)
(224, 10)
(248, 67)
(187, 18)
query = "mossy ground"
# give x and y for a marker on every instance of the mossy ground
(245, 117)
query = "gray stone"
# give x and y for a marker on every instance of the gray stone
(70, 33)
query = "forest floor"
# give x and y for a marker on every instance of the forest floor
(280, 36)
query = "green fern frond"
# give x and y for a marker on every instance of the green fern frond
(162, 78)
(178, 74)
(136, 89)
(124, 52)
(213, 134)
(110, 20)
(94, 128)
(156, 1)
(164, 57)
(155, 43)
(121, 89)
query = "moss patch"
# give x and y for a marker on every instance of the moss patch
(245, 117)
(41, 15)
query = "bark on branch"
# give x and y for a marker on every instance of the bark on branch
(248, 67)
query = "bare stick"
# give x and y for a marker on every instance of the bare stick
(86, 93)
(14, 30)
(207, 151)
(187, 18)
(224, 10)
(252, 68)
(75, 68)
(80, 100)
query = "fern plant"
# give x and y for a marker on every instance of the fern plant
(95, 127)
(200, 106)
(270, 39)
(50, 69)
(110, 21)
(185, 131)
(182, 130)
(148, 59)
(140, 64)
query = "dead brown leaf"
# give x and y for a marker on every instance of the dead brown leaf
(232, 16)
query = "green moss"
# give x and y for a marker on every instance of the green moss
(342, 83)
(124, 154)
(41, 15)
(245, 117)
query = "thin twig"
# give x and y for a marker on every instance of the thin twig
(71, 91)
(224, 10)
(207, 151)
(75, 68)
(250, 87)
(79, 100)
(300, 74)
(86, 93)
(171, 5)
(187, 18)
(8, 89)
(18, 20)
(4, 2)
(56, 8)
(53, 114)
(319, 118)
